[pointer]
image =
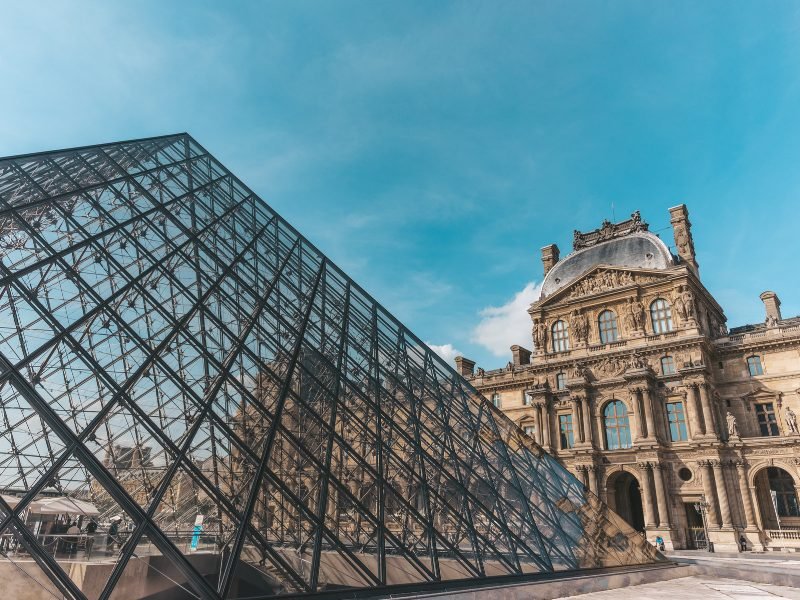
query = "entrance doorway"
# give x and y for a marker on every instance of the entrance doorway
(626, 499)
(696, 533)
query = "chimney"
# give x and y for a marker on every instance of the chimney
(682, 232)
(772, 306)
(549, 257)
(521, 355)
(465, 366)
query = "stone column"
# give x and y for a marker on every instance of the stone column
(539, 424)
(587, 419)
(744, 490)
(708, 490)
(601, 431)
(592, 473)
(639, 417)
(577, 429)
(722, 494)
(545, 426)
(694, 425)
(661, 497)
(708, 414)
(649, 509)
(647, 400)
(580, 473)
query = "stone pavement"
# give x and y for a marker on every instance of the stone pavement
(696, 588)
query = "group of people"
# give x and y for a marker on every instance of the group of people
(66, 536)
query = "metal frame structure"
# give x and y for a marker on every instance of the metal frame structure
(171, 347)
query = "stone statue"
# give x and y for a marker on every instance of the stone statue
(579, 325)
(688, 301)
(541, 334)
(772, 321)
(578, 371)
(733, 430)
(480, 372)
(791, 421)
(628, 317)
(680, 307)
(510, 366)
(537, 338)
(638, 314)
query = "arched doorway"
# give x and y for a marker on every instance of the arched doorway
(625, 498)
(777, 498)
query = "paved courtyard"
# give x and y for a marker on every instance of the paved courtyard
(698, 587)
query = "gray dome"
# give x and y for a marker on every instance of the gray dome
(642, 250)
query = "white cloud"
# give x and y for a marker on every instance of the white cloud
(446, 351)
(503, 326)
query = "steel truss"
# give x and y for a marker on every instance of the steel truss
(171, 347)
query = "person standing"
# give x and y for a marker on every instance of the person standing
(91, 530)
(111, 539)
(72, 538)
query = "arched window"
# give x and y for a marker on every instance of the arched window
(560, 337)
(785, 498)
(661, 316)
(618, 431)
(607, 324)
(667, 365)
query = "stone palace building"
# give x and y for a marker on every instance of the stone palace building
(636, 384)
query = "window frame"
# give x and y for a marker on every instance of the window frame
(566, 433)
(754, 359)
(617, 426)
(495, 399)
(559, 336)
(768, 427)
(676, 421)
(661, 316)
(607, 327)
(671, 363)
(561, 381)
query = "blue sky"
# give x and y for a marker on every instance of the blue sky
(432, 148)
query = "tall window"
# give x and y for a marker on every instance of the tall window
(754, 365)
(618, 431)
(561, 381)
(782, 484)
(661, 316)
(496, 399)
(530, 430)
(676, 417)
(565, 425)
(767, 423)
(560, 337)
(667, 365)
(607, 324)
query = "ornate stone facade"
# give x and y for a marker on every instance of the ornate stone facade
(636, 385)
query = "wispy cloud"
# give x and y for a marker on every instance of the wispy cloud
(446, 351)
(501, 327)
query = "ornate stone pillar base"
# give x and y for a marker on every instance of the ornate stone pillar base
(724, 540)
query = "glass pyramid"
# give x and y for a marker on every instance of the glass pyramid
(222, 412)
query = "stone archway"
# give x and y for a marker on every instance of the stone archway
(625, 498)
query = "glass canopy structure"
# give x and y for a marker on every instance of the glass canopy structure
(197, 403)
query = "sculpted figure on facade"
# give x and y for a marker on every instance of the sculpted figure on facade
(791, 422)
(579, 325)
(733, 430)
(637, 361)
(688, 301)
(772, 321)
(539, 334)
(638, 314)
(627, 316)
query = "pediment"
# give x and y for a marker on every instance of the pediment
(603, 278)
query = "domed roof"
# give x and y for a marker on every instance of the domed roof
(640, 250)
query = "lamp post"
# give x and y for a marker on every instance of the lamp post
(702, 507)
